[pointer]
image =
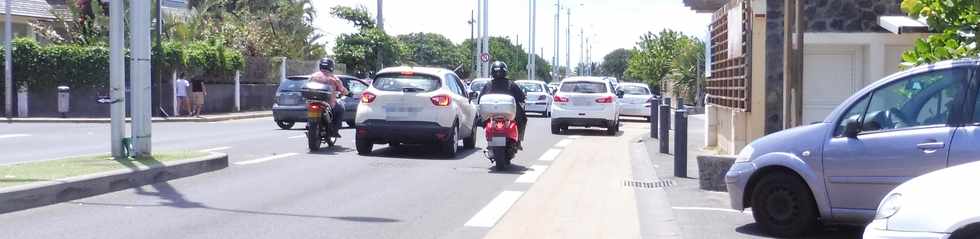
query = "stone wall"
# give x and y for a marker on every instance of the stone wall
(848, 15)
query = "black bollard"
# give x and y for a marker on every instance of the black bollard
(680, 103)
(664, 138)
(680, 143)
(654, 109)
(667, 124)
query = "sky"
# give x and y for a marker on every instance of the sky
(609, 24)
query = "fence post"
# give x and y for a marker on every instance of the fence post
(680, 142)
(664, 137)
(173, 86)
(238, 91)
(654, 118)
(282, 70)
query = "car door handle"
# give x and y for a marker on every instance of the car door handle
(931, 145)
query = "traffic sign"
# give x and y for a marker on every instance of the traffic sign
(485, 57)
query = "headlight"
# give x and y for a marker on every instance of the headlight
(745, 155)
(890, 206)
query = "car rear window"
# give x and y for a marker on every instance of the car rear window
(583, 87)
(293, 84)
(635, 90)
(531, 87)
(478, 86)
(401, 82)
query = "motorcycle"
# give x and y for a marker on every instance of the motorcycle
(319, 124)
(501, 129)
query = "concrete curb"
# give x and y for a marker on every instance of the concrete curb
(51, 192)
(155, 119)
(712, 170)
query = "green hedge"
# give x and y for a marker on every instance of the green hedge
(49, 66)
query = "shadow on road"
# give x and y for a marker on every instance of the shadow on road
(601, 132)
(513, 169)
(421, 152)
(830, 232)
(335, 150)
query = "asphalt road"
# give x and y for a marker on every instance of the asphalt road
(274, 187)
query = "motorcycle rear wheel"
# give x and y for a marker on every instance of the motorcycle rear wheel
(313, 134)
(501, 158)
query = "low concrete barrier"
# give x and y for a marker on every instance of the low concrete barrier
(712, 170)
(46, 193)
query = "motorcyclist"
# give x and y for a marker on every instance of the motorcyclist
(325, 75)
(501, 85)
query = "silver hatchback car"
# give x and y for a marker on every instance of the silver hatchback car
(836, 171)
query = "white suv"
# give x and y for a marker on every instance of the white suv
(416, 105)
(585, 101)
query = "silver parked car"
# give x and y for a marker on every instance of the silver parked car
(636, 100)
(837, 171)
(289, 107)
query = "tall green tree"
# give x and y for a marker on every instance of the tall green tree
(956, 21)
(616, 62)
(652, 57)
(362, 51)
(503, 49)
(686, 69)
(430, 49)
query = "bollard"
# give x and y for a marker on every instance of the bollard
(664, 138)
(666, 124)
(680, 143)
(654, 109)
(680, 103)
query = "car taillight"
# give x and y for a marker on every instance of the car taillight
(560, 99)
(368, 97)
(604, 100)
(314, 107)
(441, 100)
(540, 98)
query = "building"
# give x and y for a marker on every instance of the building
(25, 11)
(771, 70)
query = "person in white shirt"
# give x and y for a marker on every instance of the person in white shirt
(182, 100)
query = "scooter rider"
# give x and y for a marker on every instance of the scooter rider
(501, 85)
(325, 75)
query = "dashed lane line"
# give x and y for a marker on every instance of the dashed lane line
(297, 136)
(6, 136)
(215, 149)
(574, 136)
(530, 176)
(563, 143)
(550, 155)
(493, 211)
(266, 159)
(710, 209)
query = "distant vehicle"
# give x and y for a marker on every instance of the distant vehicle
(416, 105)
(939, 204)
(636, 100)
(478, 84)
(538, 97)
(587, 102)
(838, 170)
(289, 107)
(553, 86)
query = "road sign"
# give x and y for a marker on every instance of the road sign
(485, 57)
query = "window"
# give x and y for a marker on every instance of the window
(584, 87)
(855, 113)
(919, 100)
(293, 83)
(478, 86)
(356, 87)
(635, 90)
(454, 84)
(531, 87)
(407, 83)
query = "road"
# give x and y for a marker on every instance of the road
(274, 187)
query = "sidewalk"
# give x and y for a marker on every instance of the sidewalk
(202, 118)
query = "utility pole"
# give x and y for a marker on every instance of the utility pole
(8, 74)
(486, 36)
(581, 50)
(530, 45)
(117, 79)
(588, 58)
(568, 44)
(381, 18)
(140, 76)
(476, 51)
(557, 37)
(157, 73)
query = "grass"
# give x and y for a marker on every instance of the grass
(24, 173)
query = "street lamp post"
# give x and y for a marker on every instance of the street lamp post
(8, 62)
(140, 76)
(531, 57)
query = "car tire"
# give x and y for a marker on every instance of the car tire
(470, 142)
(449, 146)
(363, 147)
(612, 130)
(555, 128)
(285, 125)
(783, 205)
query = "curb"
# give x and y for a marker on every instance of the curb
(155, 119)
(39, 194)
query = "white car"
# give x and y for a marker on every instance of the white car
(538, 97)
(416, 105)
(585, 101)
(940, 204)
(636, 100)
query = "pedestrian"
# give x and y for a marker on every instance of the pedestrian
(183, 101)
(198, 91)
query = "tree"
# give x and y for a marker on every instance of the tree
(361, 51)
(616, 62)
(957, 22)
(652, 57)
(502, 49)
(686, 68)
(430, 49)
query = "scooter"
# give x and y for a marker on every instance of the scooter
(501, 129)
(319, 124)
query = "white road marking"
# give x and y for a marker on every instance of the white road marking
(4, 136)
(574, 136)
(550, 155)
(215, 149)
(711, 209)
(563, 143)
(270, 158)
(530, 176)
(297, 136)
(492, 212)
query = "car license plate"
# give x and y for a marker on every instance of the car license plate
(580, 103)
(498, 142)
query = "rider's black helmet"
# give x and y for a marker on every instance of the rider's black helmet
(498, 70)
(326, 64)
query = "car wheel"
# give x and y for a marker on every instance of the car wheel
(470, 142)
(783, 205)
(555, 128)
(364, 147)
(284, 124)
(350, 124)
(449, 147)
(612, 130)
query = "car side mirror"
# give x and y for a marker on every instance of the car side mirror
(473, 95)
(851, 128)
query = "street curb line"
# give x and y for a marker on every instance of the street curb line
(657, 219)
(39, 194)
(155, 119)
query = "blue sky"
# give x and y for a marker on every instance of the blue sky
(611, 24)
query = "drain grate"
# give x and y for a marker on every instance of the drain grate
(662, 183)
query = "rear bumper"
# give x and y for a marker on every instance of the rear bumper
(289, 113)
(583, 122)
(412, 132)
(539, 107)
(634, 110)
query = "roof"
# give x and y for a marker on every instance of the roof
(440, 72)
(29, 8)
(634, 84)
(531, 81)
(586, 79)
